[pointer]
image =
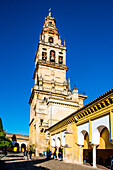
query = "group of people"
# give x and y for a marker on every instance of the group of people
(48, 154)
(26, 154)
(60, 154)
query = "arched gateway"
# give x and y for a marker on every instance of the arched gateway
(19, 142)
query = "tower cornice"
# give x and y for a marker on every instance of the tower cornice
(49, 64)
(61, 47)
(45, 93)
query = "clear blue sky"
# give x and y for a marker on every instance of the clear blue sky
(87, 27)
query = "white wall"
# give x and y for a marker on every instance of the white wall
(63, 138)
(53, 140)
(82, 129)
(57, 140)
(97, 126)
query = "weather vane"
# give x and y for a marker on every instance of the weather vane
(49, 9)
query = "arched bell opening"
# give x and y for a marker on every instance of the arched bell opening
(52, 56)
(23, 147)
(44, 56)
(51, 38)
(60, 60)
(87, 149)
(105, 148)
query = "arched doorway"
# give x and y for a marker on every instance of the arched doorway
(23, 147)
(16, 147)
(105, 148)
(87, 149)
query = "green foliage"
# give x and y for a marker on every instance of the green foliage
(32, 148)
(4, 142)
(2, 134)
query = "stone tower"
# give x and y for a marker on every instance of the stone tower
(51, 99)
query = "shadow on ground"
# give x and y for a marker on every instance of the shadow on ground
(42, 164)
(23, 165)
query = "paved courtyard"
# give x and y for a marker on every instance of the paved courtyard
(17, 162)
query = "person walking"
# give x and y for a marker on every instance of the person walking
(25, 154)
(30, 154)
(5, 152)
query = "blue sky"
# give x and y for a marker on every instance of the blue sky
(86, 26)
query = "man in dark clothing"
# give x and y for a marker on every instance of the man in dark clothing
(30, 154)
(25, 154)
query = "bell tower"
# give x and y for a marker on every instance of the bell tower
(51, 99)
(50, 61)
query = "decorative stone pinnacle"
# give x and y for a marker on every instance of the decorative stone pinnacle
(64, 43)
(75, 87)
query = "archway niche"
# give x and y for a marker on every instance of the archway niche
(52, 56)
(105, 148)
(87, 149)
(16, 147)
(51, 40)
(23, 147)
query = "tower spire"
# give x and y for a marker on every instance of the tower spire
(49, 12)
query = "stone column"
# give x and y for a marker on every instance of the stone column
(19, 149)
(57, 152)
(63, 154)
(53, 151)
(94, 155)
(111, 125)
(48, 54)
(19, 146)
(60, 139)
(36, 79)
(80, 146)
(56, 57)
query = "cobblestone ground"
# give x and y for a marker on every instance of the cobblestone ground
(17, 162)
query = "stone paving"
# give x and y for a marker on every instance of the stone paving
(17, 162)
